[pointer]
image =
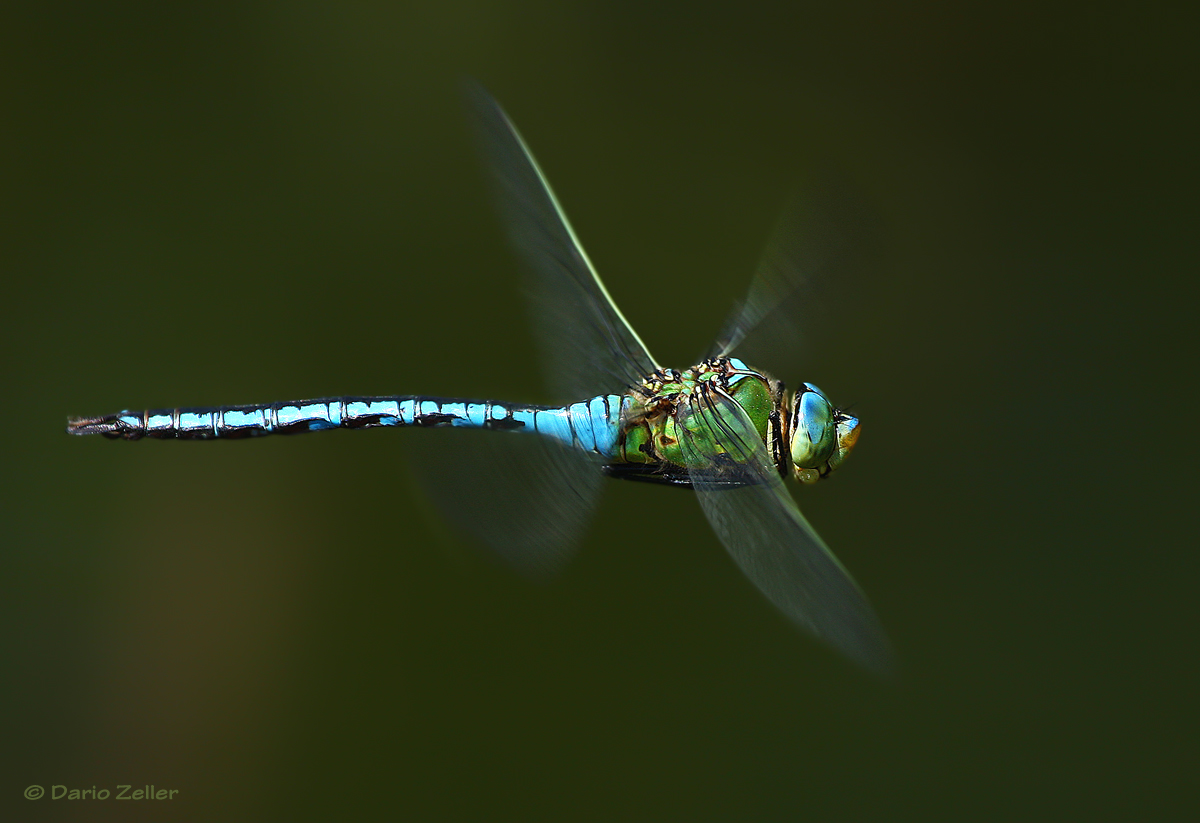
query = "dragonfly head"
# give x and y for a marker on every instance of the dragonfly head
(820, 437)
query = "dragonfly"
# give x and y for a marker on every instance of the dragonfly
(728, 431)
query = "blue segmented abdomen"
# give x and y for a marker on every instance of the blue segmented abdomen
(591, 425)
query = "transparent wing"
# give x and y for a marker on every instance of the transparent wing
(819, 254)
(756, 518)
(588, 346)
(527, 497)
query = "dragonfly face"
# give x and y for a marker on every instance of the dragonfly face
(821, 436)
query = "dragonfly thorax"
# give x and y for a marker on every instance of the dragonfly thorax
(669, 400)
(671, 385)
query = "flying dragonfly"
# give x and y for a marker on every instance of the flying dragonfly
(723, 428)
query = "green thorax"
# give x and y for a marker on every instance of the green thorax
(650, 427)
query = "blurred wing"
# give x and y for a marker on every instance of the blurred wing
(588, 346)
(527, 497)
(756, 518)
(819, 253)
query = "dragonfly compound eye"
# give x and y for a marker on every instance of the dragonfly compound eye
(820, 437)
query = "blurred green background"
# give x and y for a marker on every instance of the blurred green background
(283, 629)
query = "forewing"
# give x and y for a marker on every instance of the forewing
(756, 518)
(820, 253)
(588, 346)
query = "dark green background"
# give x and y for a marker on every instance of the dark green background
(205, 207)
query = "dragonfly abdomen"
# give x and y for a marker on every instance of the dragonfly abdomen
(590, 425)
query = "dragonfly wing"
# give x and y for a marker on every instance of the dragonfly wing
(818, 254)
(527, 497)
(750, 509)
(589, 347)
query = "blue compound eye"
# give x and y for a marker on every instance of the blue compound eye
(821, 436)
(814, 433)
